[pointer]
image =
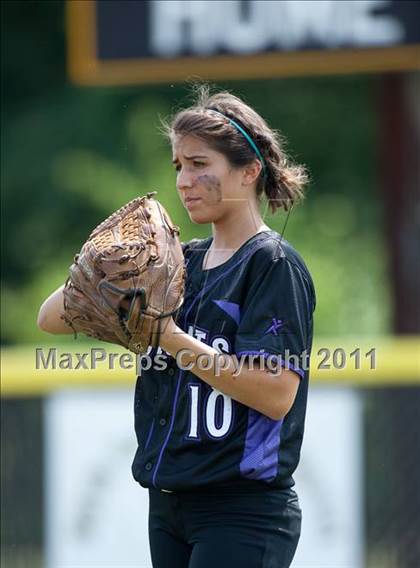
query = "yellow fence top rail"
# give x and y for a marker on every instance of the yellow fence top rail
(384, 361)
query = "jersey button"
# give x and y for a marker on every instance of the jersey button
(148, 466)
(162, 422)
(171, 372)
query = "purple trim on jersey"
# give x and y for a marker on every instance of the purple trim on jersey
(165, 443)
(180, 373)
(149, 435)
(261, 453)
(265, 354)
(230, 308)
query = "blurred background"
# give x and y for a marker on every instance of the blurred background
(80, 138)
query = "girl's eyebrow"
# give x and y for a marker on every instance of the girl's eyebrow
(188, 158)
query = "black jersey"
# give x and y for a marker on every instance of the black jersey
(258, 304)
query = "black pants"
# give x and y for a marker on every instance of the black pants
(241, 527)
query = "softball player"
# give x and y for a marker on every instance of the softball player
(220, 424)
(219, 416)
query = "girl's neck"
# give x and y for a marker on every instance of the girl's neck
(230, 233)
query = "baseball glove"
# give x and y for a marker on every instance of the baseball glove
(128, 276)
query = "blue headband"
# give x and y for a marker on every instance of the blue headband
(247, 137)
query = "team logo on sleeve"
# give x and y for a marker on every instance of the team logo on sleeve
(276, 324)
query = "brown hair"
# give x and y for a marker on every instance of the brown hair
(281, 181)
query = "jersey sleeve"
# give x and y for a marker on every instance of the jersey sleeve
(276, 318)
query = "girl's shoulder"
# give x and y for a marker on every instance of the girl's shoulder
(195, 245)
(274, 247)
(190, 244)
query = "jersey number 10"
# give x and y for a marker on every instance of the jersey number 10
(216, 403)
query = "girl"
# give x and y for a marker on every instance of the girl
(220, 425)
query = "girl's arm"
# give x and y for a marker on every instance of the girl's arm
(272, 395)
(49, 319)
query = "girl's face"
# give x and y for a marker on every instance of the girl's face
(209, 187)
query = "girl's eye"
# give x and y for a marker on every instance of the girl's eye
(196, 165)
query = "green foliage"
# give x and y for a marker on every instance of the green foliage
(71, 156)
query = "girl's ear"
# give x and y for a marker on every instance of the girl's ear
(251, 172)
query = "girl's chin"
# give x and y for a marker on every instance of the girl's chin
(200, 219)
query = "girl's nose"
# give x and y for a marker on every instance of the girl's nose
(184, 179)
